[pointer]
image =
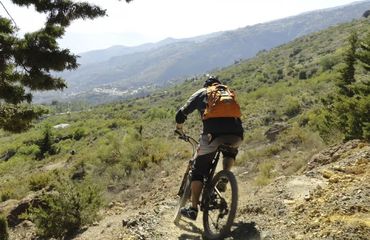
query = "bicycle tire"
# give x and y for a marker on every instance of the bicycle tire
(182, 201)
(208, 233)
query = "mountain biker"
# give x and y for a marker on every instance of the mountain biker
(216, 131)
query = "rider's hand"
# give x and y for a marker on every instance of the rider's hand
(179, 129)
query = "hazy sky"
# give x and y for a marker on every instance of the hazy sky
(152, 20)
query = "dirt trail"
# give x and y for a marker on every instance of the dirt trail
(329, 200)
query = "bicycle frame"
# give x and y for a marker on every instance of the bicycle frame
(209, 177)
(194, 143)
(208, 180)
(211, 197)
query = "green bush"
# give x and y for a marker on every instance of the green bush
(3, 228)
(292, 107)
(29, 150)
(302, 75)
(79, 133)
(6, 195)
(46, 144)
(68, 208)
(265, 173)
(158, 113)
(328, 62)
(273, 150)
(39, 181)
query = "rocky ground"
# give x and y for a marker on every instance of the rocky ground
(330, 199)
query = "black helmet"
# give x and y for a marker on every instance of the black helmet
(211, 80)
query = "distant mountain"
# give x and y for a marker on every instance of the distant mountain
(114, 51)
(127, 69)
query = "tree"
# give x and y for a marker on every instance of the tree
(364, 89)
(364, 52)
(348, 71)
(348, 108)
(46, 144)
(26, 62)
(366, 14)
(352, 103)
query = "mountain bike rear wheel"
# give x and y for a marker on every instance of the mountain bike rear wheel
(220, 205)
(183, 199)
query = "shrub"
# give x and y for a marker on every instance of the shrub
(3, 228)
(157, 113)
(66, 210)
(328, 62)
(79, 133)
(29, 150)
(39, 181)
(273, 149)
(294, 165)
(295, 51)
(265, 173)
(292, 107)
(8, 155)
(46, 144)
(6, 195)
(302, 75)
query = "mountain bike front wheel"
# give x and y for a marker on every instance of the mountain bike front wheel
(183, 199)
(220, 204)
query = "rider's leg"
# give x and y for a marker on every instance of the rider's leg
(229, 156)
(196, 189)
(199, 170)
(228, 163)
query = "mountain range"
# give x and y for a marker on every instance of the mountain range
(122, 71)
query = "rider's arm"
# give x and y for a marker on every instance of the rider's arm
(189, 106)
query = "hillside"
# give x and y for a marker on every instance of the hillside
(126, 153)
(326, 201)
(139, 70)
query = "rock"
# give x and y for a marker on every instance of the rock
(61, 126)
(327, 173)
(9, 154)
(79, 173)
(334, 179)
(275, 130)
(129, 223)
(124, 222)
(165, 173)
(332, 154)
(345, 198)
(22, 207)
(307, 197)
(8, 205)
(27, 224)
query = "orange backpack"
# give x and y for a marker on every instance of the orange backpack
(221, 103)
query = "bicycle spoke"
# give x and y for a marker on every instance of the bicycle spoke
(218, 211)
(213, 222)
(221, 206)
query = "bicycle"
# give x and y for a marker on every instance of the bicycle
(218, 208)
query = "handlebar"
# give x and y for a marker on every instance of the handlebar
(184, 137)
(188, 139)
